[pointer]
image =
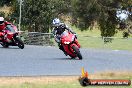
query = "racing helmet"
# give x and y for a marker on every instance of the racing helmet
(56, 22)
(1, 20)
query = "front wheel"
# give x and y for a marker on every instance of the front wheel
(19, 43)
(77, 52)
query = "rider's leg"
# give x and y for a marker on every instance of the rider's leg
(57, 39)
(77, 43)
(61, 48)
(1, 36)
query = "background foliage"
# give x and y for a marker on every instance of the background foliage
(37, 15)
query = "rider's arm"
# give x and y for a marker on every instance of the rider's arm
(57, 39)
(54, 32)
(69, 29)
(7, 23)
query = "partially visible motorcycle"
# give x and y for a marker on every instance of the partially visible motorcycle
(11, 37)
(71, 45)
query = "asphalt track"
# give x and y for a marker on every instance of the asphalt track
(42, 60)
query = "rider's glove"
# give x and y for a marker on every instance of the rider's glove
(75, 35)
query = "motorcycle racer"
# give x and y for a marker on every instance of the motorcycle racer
(58, 29)
(3, 25)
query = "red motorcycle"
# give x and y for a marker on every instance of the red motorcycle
(11, 37)
(70, 44)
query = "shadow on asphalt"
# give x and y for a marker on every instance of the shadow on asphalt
(65, 59)
(10, 48)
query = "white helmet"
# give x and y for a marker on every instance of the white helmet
(56, 22)
(1, 20)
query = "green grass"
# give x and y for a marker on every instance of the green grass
(57, 85)
(61, 82)
(116, 44)
(92, 39)
(95, 32)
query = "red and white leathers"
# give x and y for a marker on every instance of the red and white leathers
(2, 28)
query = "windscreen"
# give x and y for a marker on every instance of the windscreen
(65, 33)
(10, 28)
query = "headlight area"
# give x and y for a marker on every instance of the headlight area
(66, 42)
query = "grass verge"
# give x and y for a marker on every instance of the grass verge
(96, 42)
(60, 81)
(92, 39)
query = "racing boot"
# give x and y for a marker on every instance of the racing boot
(1, 39)
(61, 48)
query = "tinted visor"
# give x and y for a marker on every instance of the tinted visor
(1, 22)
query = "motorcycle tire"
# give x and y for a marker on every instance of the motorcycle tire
(77, 52)
(5, 45)
(20, 43)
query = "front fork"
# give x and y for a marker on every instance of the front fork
(15, 36)
(77, 43)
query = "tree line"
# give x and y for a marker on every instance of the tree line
(37, 15)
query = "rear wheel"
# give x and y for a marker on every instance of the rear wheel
(77, 52)
(20, 43)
